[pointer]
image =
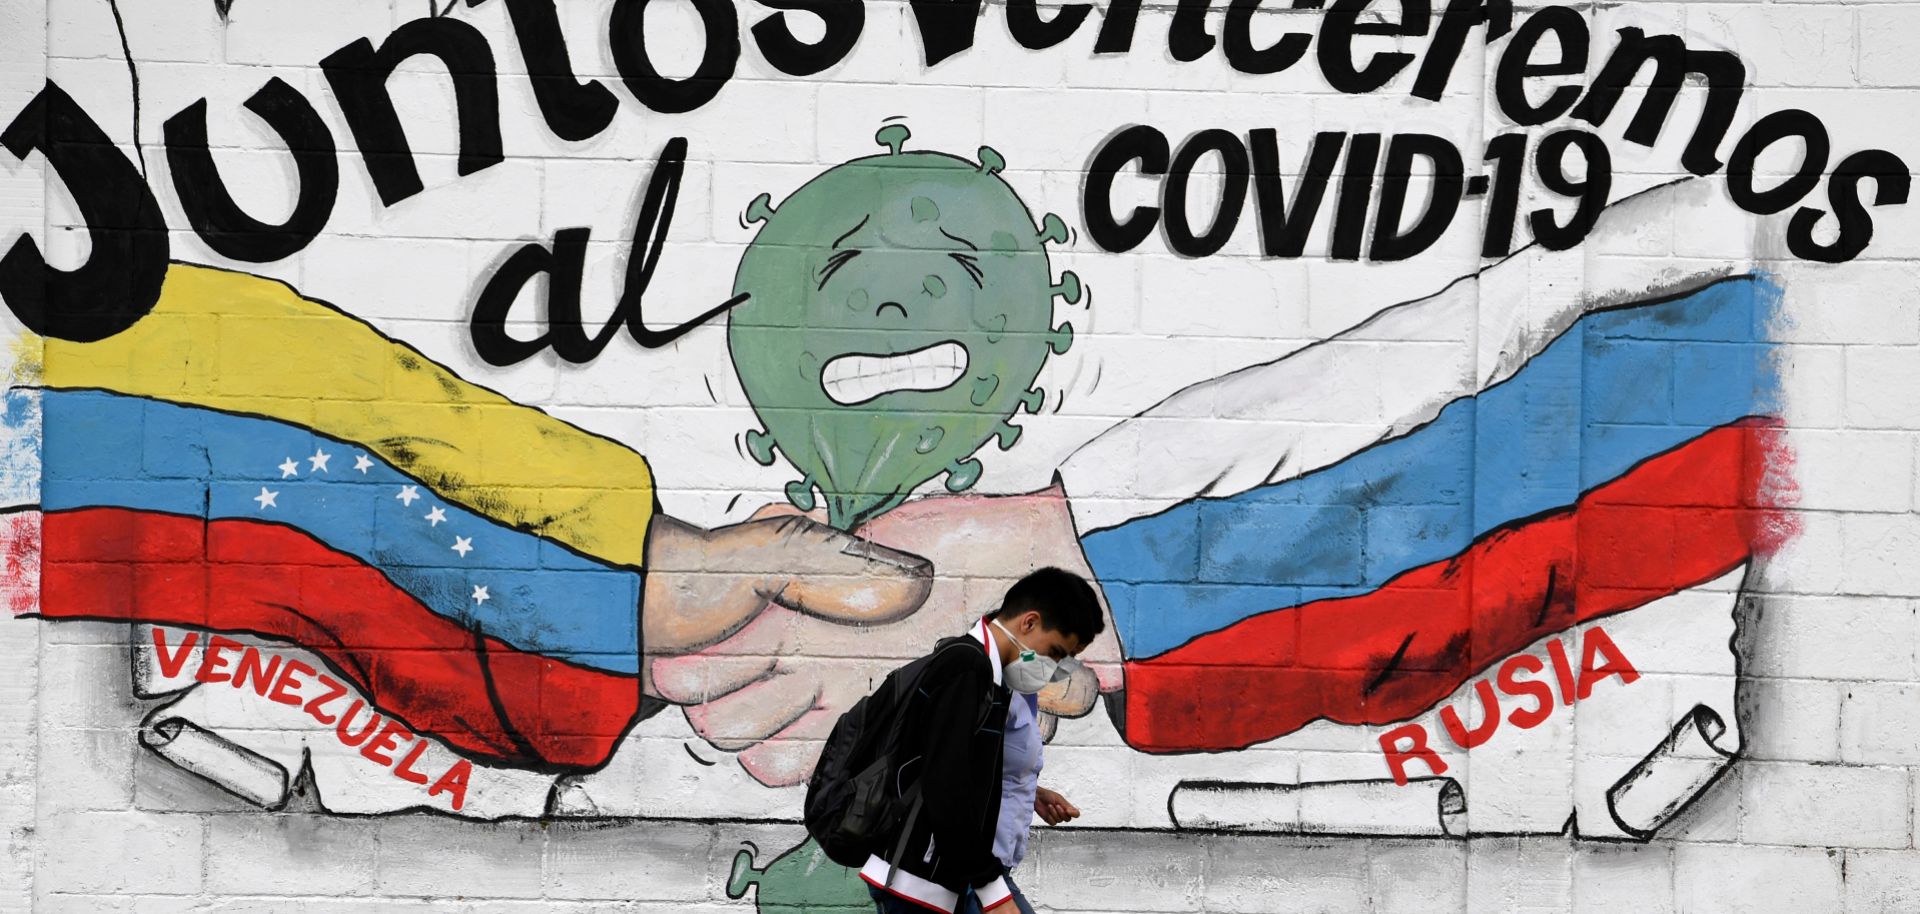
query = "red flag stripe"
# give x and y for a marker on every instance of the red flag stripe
(480, 695)
(1677, 520)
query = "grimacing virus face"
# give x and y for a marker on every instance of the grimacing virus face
(900, 307)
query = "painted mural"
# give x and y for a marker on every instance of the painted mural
(1497, 586)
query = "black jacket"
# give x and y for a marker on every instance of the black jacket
(958, 725)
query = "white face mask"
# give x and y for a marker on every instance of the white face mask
(1029, 672)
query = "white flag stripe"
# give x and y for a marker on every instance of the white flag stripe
(1318, 406)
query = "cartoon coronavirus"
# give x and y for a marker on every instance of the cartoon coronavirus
(900, 308)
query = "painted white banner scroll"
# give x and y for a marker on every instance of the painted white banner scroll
(1431, 807)
(237, 769)
(1689, 760)
(1616, 753)
(247, 718)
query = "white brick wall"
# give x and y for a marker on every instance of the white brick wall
(1817, 815)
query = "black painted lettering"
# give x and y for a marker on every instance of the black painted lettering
(1815, 148)
(564, 265)
(358, 75)
(1569, 31)
(1356, 193)
(1237, 36)
(1284, 228)
(1342, 24)
(627, 31)
(1443, 195)
(1592, 189)
(946, 26)
(1139, 143)
(1034, 33)
(1187, 38)
(574, 109)
(843, 21)
(650, 232)
(1233, 192)
(1892, 184)
(1723, 72)
(1443, 53)
(120, 282)
(1116, 27)
(210, 208)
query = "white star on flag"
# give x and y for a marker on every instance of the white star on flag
(319, 460)
(407, 495)
(435, 516)
(266, 498)
(463, 545)
(290, 468)
(361, 463)
(479, 594)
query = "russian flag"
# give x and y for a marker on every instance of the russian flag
(302, 481)
(1627, 460)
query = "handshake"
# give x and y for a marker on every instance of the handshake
(765, 631)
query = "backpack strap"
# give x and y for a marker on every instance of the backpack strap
(906, 830)
(922, 672)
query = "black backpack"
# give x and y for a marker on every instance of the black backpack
(854, 799)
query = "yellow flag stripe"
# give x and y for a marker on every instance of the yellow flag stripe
(240, 343)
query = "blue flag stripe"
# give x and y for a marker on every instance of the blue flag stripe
(1615, 389)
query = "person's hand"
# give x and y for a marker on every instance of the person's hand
(773, 689)
(1054, 808)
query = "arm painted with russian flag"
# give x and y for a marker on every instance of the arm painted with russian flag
(246, 460)
(1353, 531)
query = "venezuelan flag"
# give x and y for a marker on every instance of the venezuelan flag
(247, 460)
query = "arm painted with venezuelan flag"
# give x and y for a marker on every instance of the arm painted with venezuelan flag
(244, 459)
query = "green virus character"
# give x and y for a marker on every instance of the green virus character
(900, 308)
(799, 881)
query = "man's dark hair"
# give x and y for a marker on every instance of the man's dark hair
(1065, 601)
